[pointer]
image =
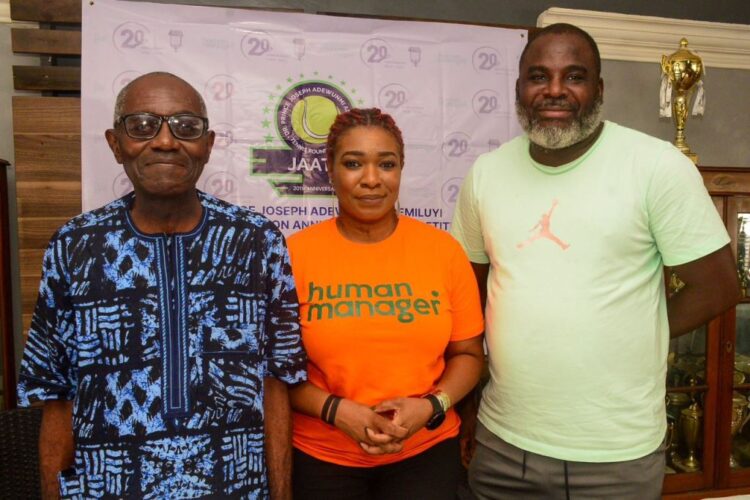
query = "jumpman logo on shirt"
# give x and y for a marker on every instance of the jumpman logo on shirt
(544, 231)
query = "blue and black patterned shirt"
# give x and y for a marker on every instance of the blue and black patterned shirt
(163, 342)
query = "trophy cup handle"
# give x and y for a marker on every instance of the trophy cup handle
(665, 65)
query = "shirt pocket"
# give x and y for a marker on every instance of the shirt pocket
(232, 367)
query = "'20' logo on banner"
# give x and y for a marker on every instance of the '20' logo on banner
(486, 59)
(131, 36)
(374, 51)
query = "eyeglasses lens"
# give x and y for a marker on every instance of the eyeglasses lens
(186, 126)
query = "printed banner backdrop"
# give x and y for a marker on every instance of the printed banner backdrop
(273, 82)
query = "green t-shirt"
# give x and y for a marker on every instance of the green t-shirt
(576, 311)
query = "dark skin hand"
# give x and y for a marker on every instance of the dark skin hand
(278, 437)
(375, 433)
(55, 445)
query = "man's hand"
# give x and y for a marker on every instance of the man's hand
(55, 445)
(467, 409)
(278, 436)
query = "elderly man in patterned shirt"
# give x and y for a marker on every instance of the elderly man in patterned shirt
(166, 326)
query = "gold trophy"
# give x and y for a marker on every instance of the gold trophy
(742, 256)
(676, 402)
(739, 407)
(681, 71)
(690, 423)
(690, 428)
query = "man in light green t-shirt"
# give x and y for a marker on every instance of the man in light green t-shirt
(568, 228)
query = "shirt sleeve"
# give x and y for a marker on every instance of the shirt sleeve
(466, 310)
(682, 217)
(466, 226)
(285, 355)
(48, 367)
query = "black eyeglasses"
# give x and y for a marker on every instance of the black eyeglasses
(144, 126)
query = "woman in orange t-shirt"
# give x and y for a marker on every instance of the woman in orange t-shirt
(392, 324)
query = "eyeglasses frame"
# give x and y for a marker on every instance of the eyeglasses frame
(163, 118)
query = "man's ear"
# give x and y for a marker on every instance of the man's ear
(114, 144)
(211, 138)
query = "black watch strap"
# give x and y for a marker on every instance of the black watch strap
(438, 415)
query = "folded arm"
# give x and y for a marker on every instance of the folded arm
(711, 287)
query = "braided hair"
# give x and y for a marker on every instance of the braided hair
(356, 117)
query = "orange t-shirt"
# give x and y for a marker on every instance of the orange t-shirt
(376, 320)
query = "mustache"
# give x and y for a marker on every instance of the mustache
(561, 104)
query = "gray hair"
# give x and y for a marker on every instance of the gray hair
(123, 94)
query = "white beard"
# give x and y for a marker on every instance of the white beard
(560, 137)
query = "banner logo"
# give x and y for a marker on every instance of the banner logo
(294, 159)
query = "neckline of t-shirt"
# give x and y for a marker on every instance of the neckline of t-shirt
(357, 244)
(567, 167)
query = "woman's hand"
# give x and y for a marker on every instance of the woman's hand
(410, 413)
(376, 434)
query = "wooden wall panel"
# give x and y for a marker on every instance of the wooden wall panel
(29, 291)
(31, 271)
(46, 115)
(31, 262)
(35, 232)
(47, 78)
(40, 199)
(46, 11)
(43, 157)
(48, 180)
(52, 42)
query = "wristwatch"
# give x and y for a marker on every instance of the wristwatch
(440, 404)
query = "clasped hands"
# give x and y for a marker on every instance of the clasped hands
(373, 428)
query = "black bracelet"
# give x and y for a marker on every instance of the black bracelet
(334, 407)
(326, 407)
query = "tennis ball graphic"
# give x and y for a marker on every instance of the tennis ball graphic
(312, 118)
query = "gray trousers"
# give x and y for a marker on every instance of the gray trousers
(500, 470)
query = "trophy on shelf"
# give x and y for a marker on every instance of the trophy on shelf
(742, 255)
(739, 411)
(690, 428)
(681, 72)
(676, 402)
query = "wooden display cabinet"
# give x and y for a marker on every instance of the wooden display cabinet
(708, 378)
